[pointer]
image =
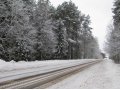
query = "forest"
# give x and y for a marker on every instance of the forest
(113, 37)
(36, 30)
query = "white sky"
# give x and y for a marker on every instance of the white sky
(100, 12)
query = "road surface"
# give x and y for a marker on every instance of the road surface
(36, 78)
(104, 75)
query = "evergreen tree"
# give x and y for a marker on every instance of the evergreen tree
(113, 43)
(62, 40)
(31, 30)
(116, 12)
(86, 34)
(69, 13)
(16, 30)
(43, 23)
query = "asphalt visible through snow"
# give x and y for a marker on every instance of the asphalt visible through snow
(104, 75)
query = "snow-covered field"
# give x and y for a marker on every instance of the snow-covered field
(103, 75)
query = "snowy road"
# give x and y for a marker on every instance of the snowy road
(103, 75)
(19, 70)
(43, 75)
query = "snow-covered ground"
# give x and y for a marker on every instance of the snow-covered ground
(22, 65)
(16, 70)
(100, 76)
(12, 65)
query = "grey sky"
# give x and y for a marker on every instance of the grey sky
(100, 12)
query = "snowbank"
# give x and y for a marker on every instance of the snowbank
(12, 65)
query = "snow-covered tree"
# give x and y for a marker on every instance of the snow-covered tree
(92, 49)
(44, 25)
(32, 30)
(113, 41)
(61, 39)
(16, 29)
(69, 13)
(86, 34)
(48, 40)
(78, 30)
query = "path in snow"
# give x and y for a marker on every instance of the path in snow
(106, 74)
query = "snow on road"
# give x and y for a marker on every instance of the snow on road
(16, 70)
(104, 75)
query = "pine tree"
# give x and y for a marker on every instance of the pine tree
(69, 13)
(15, 30)
(116, 12)
(43, 23)
(86, 34)
(114, 34)
(32, 30)
(62, 40)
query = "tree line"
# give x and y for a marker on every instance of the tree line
(113, 38)
(36, 30)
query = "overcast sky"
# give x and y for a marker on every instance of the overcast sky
(100, 13)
